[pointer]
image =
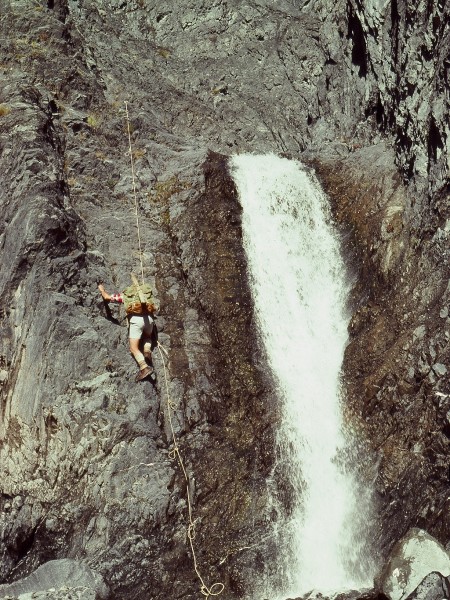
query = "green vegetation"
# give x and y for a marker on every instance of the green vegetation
(163, 190)
(161, 193)
(93, 121)
(164, 52)
(139, 153)
(111, 183)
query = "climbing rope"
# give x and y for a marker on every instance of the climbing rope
(217, 588)
(134, 193)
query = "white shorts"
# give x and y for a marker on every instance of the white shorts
(140, 326)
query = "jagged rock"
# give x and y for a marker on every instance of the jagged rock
(49, 580)
(65, 593)
(357, 88)
(369, 594)
(433, 587)
(396, 335)
(372, 594)
(414, 557)
(439, 369)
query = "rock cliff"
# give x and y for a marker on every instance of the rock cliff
(356, 89)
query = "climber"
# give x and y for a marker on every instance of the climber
(140, 310)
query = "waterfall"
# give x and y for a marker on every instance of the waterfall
(300, 289)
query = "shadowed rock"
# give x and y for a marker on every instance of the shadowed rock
(85, 459)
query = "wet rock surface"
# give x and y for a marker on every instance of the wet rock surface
(86, 469)
(418, 567)
(397, 359)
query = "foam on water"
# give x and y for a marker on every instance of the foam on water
(300, 288)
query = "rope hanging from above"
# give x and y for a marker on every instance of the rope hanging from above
(216, 588)
(134, 193)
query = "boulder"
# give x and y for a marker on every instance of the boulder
(433, 587)
(65, 578)
(414, 557)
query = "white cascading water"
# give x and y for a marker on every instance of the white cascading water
(300, 289)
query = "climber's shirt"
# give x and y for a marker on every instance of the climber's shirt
(116, 298)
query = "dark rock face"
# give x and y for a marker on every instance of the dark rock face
(400, 50)
(397, 361)
(85, 465)
(433, 587)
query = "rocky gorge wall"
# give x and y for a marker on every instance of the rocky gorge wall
(359, 91)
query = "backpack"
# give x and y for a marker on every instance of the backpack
(138, 299)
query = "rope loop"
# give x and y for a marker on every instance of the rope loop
(206, 591)
(191, 531)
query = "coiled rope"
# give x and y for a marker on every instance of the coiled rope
(134, 193)
(217, 588)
